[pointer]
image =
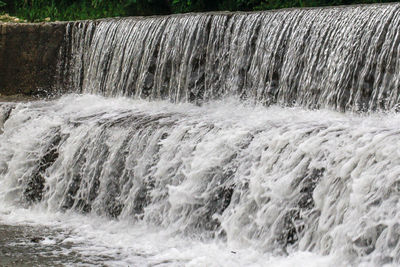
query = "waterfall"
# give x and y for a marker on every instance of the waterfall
(346, 58)
(276, 179)
(221, 127)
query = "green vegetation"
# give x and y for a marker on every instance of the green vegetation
(40, 10)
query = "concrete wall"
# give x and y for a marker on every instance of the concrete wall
(28, 57)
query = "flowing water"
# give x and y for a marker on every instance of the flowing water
(190, 140)
(342, 58)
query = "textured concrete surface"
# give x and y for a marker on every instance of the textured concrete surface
(28, 57)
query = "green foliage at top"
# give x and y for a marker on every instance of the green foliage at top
(39, 10)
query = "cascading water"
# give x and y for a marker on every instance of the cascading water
(227, 182)
(345, 58)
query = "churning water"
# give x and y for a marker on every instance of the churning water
(226, 164)
(274, 181)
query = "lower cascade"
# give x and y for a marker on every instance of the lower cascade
(278, 181)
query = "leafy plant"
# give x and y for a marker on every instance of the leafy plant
(38, 10)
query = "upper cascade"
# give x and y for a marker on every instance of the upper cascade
(345, 58)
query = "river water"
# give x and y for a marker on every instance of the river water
(42, 239)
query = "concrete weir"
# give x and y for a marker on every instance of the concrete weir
(29, 55)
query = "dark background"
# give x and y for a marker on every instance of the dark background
(38, 10)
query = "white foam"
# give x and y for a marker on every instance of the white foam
(260, 152)
(132, 244)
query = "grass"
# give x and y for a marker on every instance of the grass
(75, 11)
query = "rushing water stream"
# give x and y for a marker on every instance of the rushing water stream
(192, 142)
(342, 58)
